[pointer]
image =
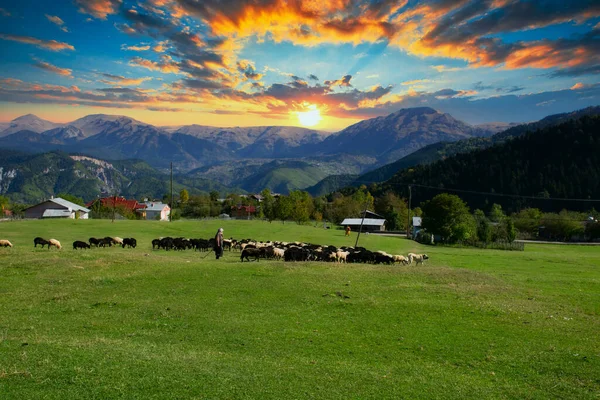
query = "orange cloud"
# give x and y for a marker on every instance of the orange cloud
(52, 45)
(121, 80)
(167, 65)
(57, 21)
(135, 48)
(98, 8)
(54, 69)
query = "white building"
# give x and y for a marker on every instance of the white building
(57, 208)
(368, 225)
(154, 209)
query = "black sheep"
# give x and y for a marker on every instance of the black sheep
(105, 242)
(43, 242)
(250, 253)
(94, 241)
(78, 244)
(131, 242)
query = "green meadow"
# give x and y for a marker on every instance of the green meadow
(141, 324)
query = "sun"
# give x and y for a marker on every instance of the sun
(310, 117)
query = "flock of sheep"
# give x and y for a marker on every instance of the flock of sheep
(298, 251)
(78, 244)
(295, 251)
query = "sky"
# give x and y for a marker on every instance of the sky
(320, 63)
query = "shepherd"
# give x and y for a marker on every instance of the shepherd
(219, 243)
(347, 230)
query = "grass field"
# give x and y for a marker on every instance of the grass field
(143, 324)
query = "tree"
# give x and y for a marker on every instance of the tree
(184, 196)
(301, 206)
(528, 221)
(268, 205)
(484, 230)
(283, 208)
(496, 214)
(364, 198)
(394, 209)
(3, 203)
(214, 195)
(511, 231)
(448, 216)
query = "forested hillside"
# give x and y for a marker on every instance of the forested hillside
(562, 161)
(442, 150)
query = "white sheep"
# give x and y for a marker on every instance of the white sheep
(278, 253)
(5, 243)
(54, 242)
(117, 240)
(400, 259)
(340, 256)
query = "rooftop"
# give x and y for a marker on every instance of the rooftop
(368, 221)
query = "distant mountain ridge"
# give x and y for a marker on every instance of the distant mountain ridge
(28, 122)
(403, 132)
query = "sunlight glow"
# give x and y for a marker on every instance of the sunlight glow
(310, 117)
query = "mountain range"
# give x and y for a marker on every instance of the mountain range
(253, 158)
(381, 139)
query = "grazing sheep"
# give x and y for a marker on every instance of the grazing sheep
(55, 243)
(246, 253)
(117, 240)
(131, 242)
(5, 243)
(39, 240)
(94, 241)
(105, 242)
(400, 259)
(156, 243)
(278, 253)
(341, 256)
(78, 244)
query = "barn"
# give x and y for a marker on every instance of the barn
(57, 208)
(369, 224)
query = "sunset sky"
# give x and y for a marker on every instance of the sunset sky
(276, 62)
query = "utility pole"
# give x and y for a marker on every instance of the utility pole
(361, 223)
(172, 204)
(408, 212)
(114, 206)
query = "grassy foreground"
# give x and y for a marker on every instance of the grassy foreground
(143, 324)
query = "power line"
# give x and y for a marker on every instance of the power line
(486, 193)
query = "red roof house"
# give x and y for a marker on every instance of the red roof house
(243, 212)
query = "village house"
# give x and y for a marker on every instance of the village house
(243, 212)
(156, 210)
(120, 203)
(57, 208)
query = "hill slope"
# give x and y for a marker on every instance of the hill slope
(441, 150)
(561, 161)
(30, 178)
